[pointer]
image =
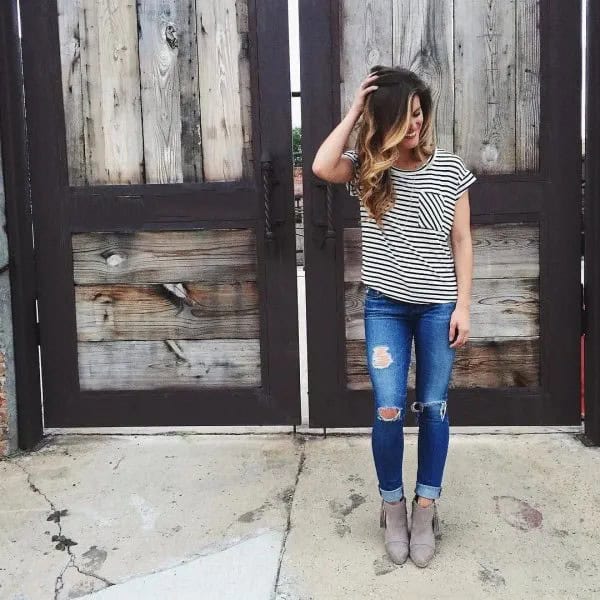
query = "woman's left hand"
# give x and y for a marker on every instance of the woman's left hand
(459, 321)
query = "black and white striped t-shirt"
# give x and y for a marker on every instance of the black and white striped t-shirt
(411, 258)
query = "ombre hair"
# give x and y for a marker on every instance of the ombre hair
(382, 126)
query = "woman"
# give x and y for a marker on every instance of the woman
(417, 263)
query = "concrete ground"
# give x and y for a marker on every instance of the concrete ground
(293, 517)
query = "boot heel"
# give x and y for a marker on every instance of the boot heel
(382, 516)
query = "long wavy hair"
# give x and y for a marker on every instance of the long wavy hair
(382, 126)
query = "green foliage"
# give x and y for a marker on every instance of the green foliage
(297, 146)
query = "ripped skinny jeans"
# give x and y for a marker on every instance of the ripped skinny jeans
(390, 325)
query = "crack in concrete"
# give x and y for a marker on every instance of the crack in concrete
(301, 442)
(59, 583)
(55, 516)
(88, 574)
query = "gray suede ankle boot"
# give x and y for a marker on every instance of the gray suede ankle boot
(394, 520)
(424, 528)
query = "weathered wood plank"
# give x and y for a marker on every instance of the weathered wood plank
(527, 85)
(70, 60)
(423, 42)
(502, 363)
(500, 308)
(177, 363)
(366, 37)
(484, 52)
(168, 311)
(499, 250)
(219, 46)
(506, 250)
(212, 255)
(111, 92)
(243, 28)
(159, 34)
(191, 140)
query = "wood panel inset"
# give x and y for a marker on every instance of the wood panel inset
(503, 346)
(156, 91)
(480, 59)
(167, 308)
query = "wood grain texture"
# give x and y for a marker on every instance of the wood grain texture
(480, 59)
(219, 47)
(172, 363)
(159, 33)
(366, 39)
(111, 92)
(191, 139)
(503, 346)
(484, 67)
(134, 78)
(422, 42)
(70, 56)
(499, 250)
(510, 250)
(527, 126)
(480, 363)
(243, 28)
(212, 255)
(500, 308)
(168, 311)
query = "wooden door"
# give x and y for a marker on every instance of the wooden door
(506, 81)
(160, 154)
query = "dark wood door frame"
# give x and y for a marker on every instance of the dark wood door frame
(60, 210)
(18, 221)
(541, 198)
(592, 228)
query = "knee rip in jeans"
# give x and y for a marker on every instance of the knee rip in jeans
(382, 358)
(389, 413)
(418, 407)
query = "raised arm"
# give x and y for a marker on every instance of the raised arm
(329, 164)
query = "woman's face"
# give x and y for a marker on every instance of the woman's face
(411, 139)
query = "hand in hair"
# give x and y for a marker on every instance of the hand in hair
(363, 91)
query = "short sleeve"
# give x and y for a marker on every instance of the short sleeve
(351, 185)
(465, 179)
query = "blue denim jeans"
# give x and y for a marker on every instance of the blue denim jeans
(390, 325)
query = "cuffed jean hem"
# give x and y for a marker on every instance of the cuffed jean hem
(428, 491)
(393, 496)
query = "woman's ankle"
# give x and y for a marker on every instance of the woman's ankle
(421, 501)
